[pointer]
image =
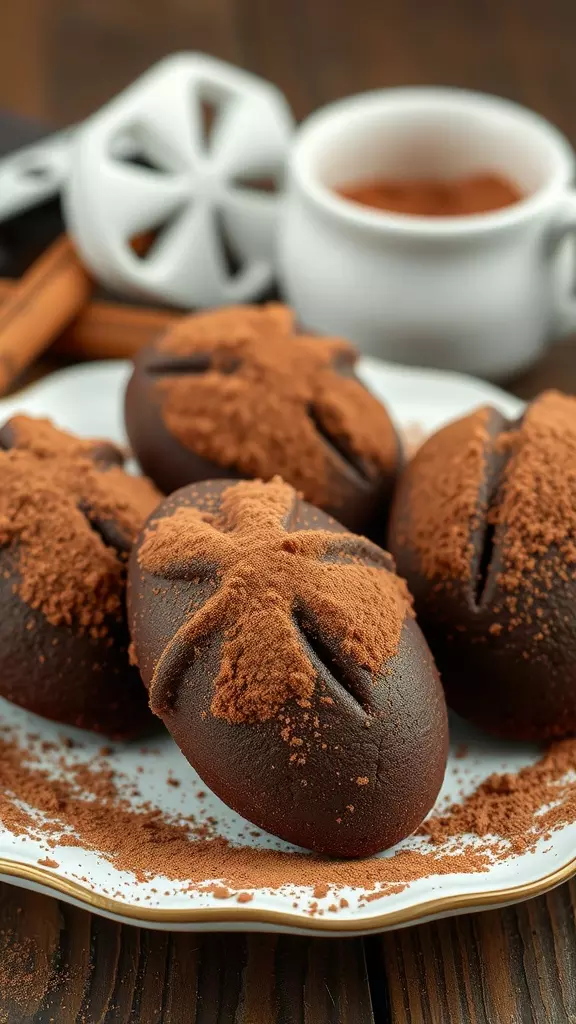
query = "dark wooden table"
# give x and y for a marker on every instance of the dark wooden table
(513, 966)
(58, 60)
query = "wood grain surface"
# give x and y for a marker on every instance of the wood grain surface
(84, 969)
(60, 59)
(514, 966)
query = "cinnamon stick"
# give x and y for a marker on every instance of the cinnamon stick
(44, 301)
(108, 330)
(104, 330)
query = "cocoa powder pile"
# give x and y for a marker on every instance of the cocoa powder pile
(68, 515)
(263, 573)
(253, 395)
(505, 805)
(504, 815)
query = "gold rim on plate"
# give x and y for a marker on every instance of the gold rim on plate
(279, 918)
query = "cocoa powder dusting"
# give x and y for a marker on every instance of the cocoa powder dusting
(532, 509)
(45, 440)
(444, 505)
(68, 521)
(25, 974)
(264, 574)
(503, 814)
(266, 398)
(505, 805)
(535, 508)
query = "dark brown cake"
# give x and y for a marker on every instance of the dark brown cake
(68, 517)
(282, 654)
(237, 393)
(484, 531)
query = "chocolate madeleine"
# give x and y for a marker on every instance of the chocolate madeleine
(238, 393)
(484, 530)
(68, 516)
(282, 654)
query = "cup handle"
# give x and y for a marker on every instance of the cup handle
(565, 227)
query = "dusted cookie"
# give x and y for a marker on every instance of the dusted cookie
(484, 531)
(68, 516)
(237, 393)
(282, 654)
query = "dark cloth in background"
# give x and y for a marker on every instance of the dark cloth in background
(25, 237)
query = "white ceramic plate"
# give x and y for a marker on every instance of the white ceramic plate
(88, 400)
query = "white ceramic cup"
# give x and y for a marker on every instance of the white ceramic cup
(481, 293)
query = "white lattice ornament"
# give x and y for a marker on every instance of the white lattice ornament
(149, 162)
(32, 175)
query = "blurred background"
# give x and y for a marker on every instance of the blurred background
(60, 59)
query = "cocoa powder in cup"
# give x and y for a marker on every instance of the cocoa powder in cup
(459, 197)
